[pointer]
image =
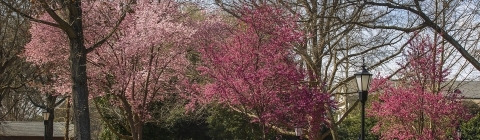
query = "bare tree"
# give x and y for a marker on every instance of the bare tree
(14, 70)
(456, 21)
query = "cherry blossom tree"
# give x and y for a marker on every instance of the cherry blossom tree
(45, 80)
(140, 63)
(253, 71)
(143, 64)
(67, 17)
(415, 107)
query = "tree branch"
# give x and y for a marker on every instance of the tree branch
(9, 110)
(428, 22)
(61, 23)
(115, 28)
(61, 101)
(278, 129)
(35, 103)
(406, 30)
(28, 16)
(109, 125)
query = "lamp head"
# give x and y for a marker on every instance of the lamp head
(45, 115)
(363, 79)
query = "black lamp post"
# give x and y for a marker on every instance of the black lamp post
(363, 79)
(298, 132)
(46, 115)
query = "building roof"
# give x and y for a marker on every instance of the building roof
(14, 128)
(469, 89)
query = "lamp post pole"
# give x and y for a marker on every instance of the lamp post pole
(363, 79)
(46, 115)
(363, 99)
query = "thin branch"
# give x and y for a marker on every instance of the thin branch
(9, 110)
(35, 103)
(428, 22)
(278, 129)
(406, 30)
(108, 123)
(28, 16)
(115, 28)
(61, 101)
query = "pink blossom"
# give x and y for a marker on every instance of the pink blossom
(253, 71)
(413, 107)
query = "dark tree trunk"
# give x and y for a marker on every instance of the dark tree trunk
(72, 26)
(49, 134)
(78, 60)
(80, 89)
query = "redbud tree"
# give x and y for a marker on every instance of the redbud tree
(415, 107)
(253, 71)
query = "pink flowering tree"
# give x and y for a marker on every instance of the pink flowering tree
(253, 71)
(139, 64)
(45, 79)
(49, 49)
(143, 64)
(415, 107)
(63, 23)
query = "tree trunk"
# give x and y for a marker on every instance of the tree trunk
(78, 60)
(79, 89)
(49, 127)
